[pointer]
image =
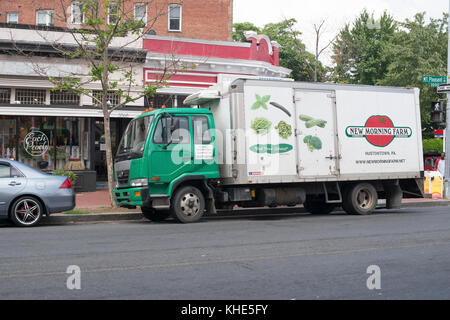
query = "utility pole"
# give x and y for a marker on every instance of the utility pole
(447, 130)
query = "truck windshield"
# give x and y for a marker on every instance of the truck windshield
(134, 138)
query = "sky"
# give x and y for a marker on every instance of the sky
(336, 13)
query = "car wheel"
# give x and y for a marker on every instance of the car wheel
(26, 212)
(361, 199)
(188, 205)
(156, 216)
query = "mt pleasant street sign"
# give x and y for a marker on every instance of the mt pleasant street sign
(434, 81)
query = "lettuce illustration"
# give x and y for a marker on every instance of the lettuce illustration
(261, 126)
(284, 130)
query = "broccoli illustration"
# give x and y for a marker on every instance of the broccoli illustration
(313, 143)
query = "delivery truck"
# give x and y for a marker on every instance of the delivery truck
(269, 143)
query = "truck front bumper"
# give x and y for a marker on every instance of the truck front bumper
(131, 197)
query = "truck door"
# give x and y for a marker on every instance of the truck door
(172, 154)
(317, 139)
(204, 151)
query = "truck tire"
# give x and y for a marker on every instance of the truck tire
(188, 205)
(156, 216)
(318, 207)
(360, 199)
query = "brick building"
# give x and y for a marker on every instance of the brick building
(206, 19)
(197, 33)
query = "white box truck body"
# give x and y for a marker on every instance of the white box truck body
(280, 142)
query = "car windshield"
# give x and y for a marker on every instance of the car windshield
(134, 138)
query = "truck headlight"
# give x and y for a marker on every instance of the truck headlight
(139, 183)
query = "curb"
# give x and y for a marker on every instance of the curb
(113, 217)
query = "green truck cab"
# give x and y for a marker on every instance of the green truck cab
(165, 162)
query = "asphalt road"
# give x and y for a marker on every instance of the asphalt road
(275, 257)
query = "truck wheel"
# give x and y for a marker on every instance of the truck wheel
(156, 216)
(188, 205)
(318, 207)
(360, 199)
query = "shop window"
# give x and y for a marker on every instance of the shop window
(61, 139)
(64, 98)
(113, 98)
(7, 137)
(77, 15)
(174, 17)
(12, 17)
(45, 18)
(140, 12)
(30, 96)
(5, 95)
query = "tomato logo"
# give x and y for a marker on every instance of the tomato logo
(379, 131)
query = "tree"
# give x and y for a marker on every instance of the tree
(418, 49)
(107, 41)
(358, 52)
(318, 29)
(293, 53)
(240, 28)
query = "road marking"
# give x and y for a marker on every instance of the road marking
(241, 260)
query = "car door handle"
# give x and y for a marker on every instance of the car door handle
(13, 184)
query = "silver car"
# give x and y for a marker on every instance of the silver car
(26, 194)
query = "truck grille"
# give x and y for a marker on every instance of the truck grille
(123, 178)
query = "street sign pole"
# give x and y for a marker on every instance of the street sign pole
(447, 130)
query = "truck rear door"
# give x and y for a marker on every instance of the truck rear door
(317, 140)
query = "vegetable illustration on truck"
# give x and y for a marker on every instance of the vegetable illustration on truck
(332, 150)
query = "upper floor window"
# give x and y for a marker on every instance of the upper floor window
(113, 12)
(140, 12)
(45, 17)
(77, 15)
(5, 95)
(30, 96)
(174, 17)
(12, 17)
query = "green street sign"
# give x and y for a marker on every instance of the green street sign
(435, 85)
(434, 80)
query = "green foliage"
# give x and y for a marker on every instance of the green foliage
(240, 28)
(433, 145)
(359, 50)
(418, 49)
(390, 53)
(293, 53)
(66, 173)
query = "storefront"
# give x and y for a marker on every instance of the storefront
(51, 143)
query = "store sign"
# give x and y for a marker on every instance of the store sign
(36, 143)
